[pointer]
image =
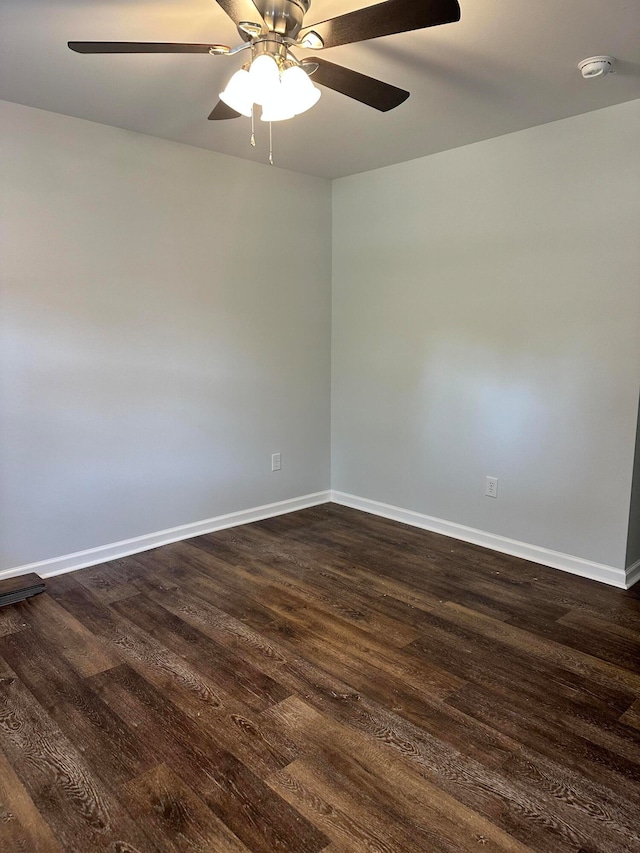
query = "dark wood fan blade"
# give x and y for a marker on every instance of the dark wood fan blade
(222, 112)
(242, 10)
(374, 93)
(137, 47)
(385, 19)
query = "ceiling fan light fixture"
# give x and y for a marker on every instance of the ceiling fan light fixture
(265, 79)
(239, 93)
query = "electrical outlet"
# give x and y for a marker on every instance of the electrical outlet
(275, 462)
(491, 487)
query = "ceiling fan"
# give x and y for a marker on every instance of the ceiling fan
(273, 77)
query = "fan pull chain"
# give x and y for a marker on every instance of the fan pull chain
(253, 128)
(270, 143)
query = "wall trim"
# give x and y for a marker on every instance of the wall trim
(633, 574)
(557, 560)
(116, 550)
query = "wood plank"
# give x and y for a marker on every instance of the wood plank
(12, 619)
(519, 809)
(163, 668)
(78, 645)
(179, 818)
(599, 626)
(261, 819)
(350, 822)
(369, 655)
(284, 603)
(270, 562)
(22, 827)
(228, 671)
(601, 756)
(212, 621)
(461, 730)
(219, 714)
(81, 810)
(631, 717)
(188, 565)
(108, 746)
(577, 661)
(482, 657)
(416, 802)
(607, 818)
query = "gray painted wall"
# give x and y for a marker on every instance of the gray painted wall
(155, 349)
(486, 307)
(633, 543)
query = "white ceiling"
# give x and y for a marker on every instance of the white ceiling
(507, 65)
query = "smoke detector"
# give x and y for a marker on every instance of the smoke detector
(596, 66)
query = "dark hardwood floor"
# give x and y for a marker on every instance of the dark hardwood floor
(325, 680)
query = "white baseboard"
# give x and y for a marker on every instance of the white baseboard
(104, 553)
(575, 565)
(93, 556)
(633, 574)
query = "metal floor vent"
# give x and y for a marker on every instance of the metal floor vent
(13, 590)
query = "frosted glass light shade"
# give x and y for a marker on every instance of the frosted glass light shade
(238, 94)
(281, 97)
(277, 108)
(298, 90)
(265, 78)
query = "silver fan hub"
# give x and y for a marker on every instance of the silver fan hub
(283, 16)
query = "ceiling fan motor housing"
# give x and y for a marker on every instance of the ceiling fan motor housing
(283, 16)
